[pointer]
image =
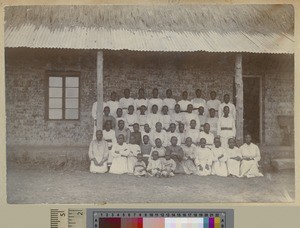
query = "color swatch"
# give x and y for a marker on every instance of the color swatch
(206, 222)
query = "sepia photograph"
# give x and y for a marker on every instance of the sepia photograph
(174, 103)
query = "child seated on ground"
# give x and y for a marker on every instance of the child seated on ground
(168, 166)
(136, 134)
(155, 165)
(140, 166)
(146, 148)
(203, 159)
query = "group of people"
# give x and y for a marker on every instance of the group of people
(162, 137)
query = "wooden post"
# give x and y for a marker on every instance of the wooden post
(239, 99)
(99, 90)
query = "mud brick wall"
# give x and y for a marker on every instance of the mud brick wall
(26, 86)
(277, 72)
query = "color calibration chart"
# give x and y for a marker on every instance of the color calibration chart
(160, 218)
(142, 218)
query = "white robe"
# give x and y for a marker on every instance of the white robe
(202, 121)
(161, 135)
(232, 110)
(113, 106)
(170, 102)
(98, 151)
(125, 102)
(131, 160)
(219, 166)
(213, 122)
(152, 119)
(155, 101)
(225, 134)
(233, 165)
(154, 166)
(204, 157)
(193, 134)
(130, 120)
(198, 102)
(177, 117)
(119, 163)
(142, 120)
(215, 104)
(208, 137)
(166, 120)
(110, 138)
(191, 116)
(250, 168)
(139, 102)
(183, 104)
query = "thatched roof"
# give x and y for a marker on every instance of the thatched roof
(218, 28)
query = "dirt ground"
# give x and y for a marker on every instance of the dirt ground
(27, 184)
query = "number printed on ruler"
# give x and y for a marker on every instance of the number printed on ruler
(77, 218)
(59, 218)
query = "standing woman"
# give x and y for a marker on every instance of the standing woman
(131, 118)
(226, 127)
(251, 156)
(119, 154)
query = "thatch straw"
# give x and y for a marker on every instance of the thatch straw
(250, 18)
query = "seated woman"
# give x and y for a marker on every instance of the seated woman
(219, 166)
(177, 155)
(189, 156)
(203, 159)
(134, 150)
(98, 154)
(234, 158)
(120, 152)
(251, 156)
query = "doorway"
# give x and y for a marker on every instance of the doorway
(252, 107)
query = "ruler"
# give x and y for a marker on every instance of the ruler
(68, 218)
(91, 218)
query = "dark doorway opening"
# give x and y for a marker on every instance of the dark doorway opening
(252, 116)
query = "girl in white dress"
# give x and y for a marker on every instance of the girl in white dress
(120, 154)
(169, 101)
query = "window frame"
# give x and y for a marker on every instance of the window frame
(64, 75)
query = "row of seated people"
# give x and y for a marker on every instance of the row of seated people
(141, 102)
(190, 158)
(223, 128)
